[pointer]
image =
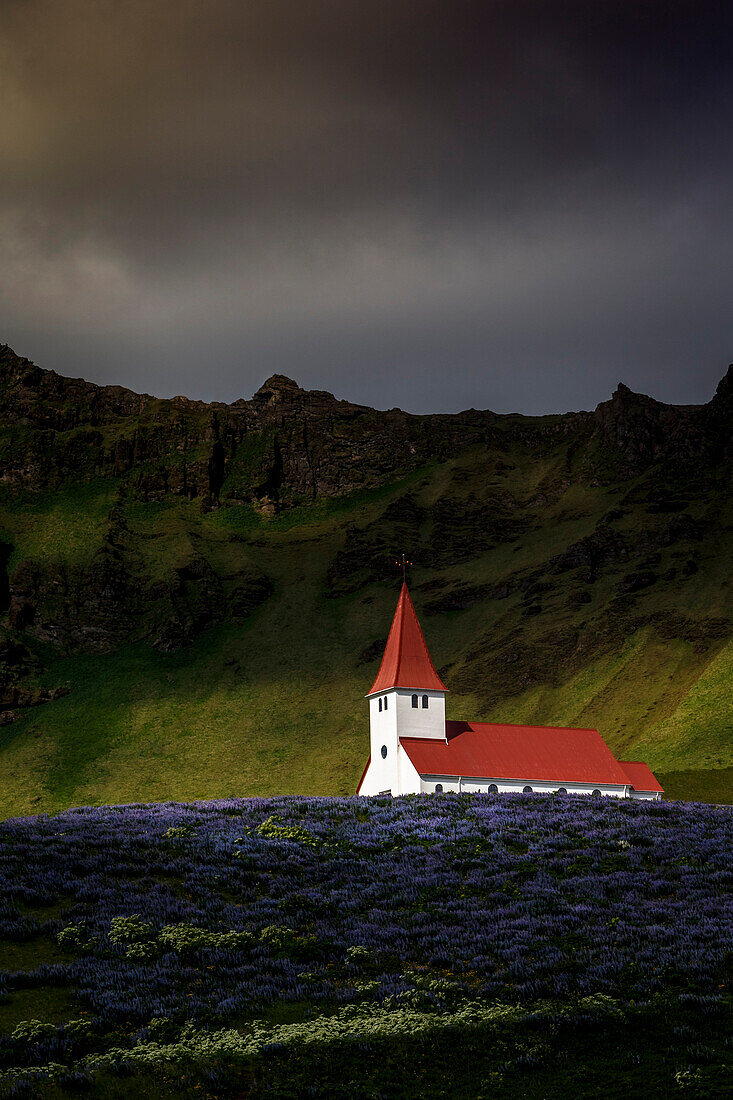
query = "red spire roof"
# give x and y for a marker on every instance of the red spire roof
(406, 662)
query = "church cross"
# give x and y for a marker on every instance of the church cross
(403, 564)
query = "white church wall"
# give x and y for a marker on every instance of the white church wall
(421, 721)
(649, 796)
(394, 774)
(516, 786)
(409, 777)
(367, 785)
(383, 773)
(445, 783)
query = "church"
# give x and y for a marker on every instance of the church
(415, 750)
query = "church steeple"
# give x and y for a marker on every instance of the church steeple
(406, 662)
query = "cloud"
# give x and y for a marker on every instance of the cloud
(435, 205)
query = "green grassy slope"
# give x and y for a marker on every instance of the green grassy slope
(632, 637)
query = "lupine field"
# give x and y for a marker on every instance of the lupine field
(454, 945)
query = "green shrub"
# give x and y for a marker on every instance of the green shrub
(187, 939)
(360, 957)
(137, 936)
(286, 941)
(32, 1031)
(74, 937)
(272, 827)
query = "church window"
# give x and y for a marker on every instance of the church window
(596, 793)
(414, 701)
(562, 790)
(424, 702)
(526, 790)
(385, 702)
(380, 704)
(438, 788)
(384, 752)
(493, 789)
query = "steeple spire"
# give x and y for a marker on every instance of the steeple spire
(406, 662)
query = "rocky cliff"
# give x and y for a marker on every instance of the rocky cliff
(282, 447)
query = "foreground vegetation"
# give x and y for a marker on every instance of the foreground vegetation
(462, 945)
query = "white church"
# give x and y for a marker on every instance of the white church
(415, 750)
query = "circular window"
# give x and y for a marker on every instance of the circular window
(596, 793)
(493, 789)
(384, 752)
(562, 790)
(527, 790)
(438, 788)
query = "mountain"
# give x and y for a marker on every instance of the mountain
(195, 596)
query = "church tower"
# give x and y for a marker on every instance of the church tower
(407, 699)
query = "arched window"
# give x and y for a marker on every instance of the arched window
(385, 702)
(384, 752)
(438, 788)
(424, 702)
(380, 703)
(414, 701)
(562, 790)
(493, 789)
(526, 790)
(596, 793)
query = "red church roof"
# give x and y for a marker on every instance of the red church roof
(641, 777)
(485, 750)
(406, 662)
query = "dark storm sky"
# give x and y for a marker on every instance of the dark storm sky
(507, 204)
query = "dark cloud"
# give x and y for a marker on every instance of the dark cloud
(510, 204)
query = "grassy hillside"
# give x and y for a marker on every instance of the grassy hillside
(546, 596)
